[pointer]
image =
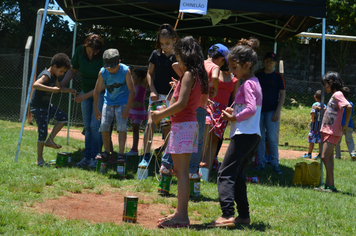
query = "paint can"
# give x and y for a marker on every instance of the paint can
(194, 187)
(130, 209)
(121, 169)
(62, 159)
(204, 173)
(142, 173)
(161, 105)
(165, 184)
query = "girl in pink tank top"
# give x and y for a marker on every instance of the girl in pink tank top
(183, 138)
(138, 111)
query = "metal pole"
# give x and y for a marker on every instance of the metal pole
(71, 82)
(322, 89)
(25, 75)
(32, 75)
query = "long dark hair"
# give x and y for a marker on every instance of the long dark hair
(190, 53)
(96, 42)
(165, 30)
(336, 80)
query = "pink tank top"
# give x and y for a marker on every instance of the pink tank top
(140, 94)
(225, 90)
(189, 112)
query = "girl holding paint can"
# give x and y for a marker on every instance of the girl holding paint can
(183, 139)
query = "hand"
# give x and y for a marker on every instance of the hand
(344, 128)
(155, 116)
(56, 90)
(79, 98)
(97, 114)
(227, 114)
(153, 96)
(74, 92)
(173, 83)
(275, 116)
(126, 112)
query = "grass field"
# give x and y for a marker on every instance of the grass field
(276, 207)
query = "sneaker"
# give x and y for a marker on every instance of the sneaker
(259, 167)
(83, 162)
(165, 171)
(316, 157)
(143, 164)
(330, 189)
(307, 155)
(353, 157)
(131, 153)
(277, 170)
(195, 175)
(92, 163)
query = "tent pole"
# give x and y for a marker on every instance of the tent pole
(71, 81)
(322, 89)
(32, 75)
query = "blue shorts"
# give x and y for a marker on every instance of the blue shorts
(107, 117)
(42, 117)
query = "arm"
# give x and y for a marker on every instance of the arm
(150, 71)
(215, 80)
(348, 110)
(96, 92)
(131, 87)
(68, 76)
(39, 85)
(312, 117)
(65, 89)
(277, 113)
(177, 69)
(187, 83)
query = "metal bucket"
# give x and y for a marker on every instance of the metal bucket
(161, 105)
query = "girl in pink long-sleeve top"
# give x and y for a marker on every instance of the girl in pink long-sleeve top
(245, 136)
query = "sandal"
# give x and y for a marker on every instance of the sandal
(172, 224)
(42, 164)
(121, 158)
(104, 156)
(203, 164)
(215, 224)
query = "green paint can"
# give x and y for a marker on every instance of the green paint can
(121, 169)
(62, 159)
(100, 166)
(130, 209)
(165, 184)
(194, 187)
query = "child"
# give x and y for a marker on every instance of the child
(138, 112)
(160, 68)
(119, 94)
(315, 124)
(331, 129)
(245, 137)
(184, 128)
(41, 108)
(348, 134)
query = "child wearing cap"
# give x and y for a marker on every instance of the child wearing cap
(119, 94)
(274, 93)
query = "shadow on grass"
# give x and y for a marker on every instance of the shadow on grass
(257, 226)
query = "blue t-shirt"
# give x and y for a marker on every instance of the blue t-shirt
(116, 91)
(270, 84)
(351, 124)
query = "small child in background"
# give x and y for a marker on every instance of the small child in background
(138, 112)
(315, 125)
(348, 134)
(331, 129)
(119, 94)
(41, 108)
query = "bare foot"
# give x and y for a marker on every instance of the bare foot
(223, 222)
(52, 144)
(167, 217)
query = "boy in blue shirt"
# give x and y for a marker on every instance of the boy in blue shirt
(350, 128)
(118, 97)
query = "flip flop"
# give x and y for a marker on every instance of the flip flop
(42, 164)
(164, 219)
(172, 224)
(55, 146)
(215, 224)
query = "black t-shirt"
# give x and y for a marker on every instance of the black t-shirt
(163, 71)
(41, 99)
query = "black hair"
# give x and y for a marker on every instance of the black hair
(242, 54)
(165, 30)
(141, 73)
(61, 60)
(191, 54)
(335, 78)
(214, 53)
(318, 94)
(346, 92)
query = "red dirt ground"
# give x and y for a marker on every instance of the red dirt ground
(108, 206)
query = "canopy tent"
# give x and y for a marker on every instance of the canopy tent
(267, 20)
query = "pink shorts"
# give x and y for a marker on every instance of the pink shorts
(138, 113)
(183, 138)
(330, 138)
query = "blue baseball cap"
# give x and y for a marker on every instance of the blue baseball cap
(222, 49)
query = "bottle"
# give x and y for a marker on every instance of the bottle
(253, 179)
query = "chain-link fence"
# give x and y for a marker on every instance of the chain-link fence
(11, 74)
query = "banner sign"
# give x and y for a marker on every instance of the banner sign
(194, 6)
